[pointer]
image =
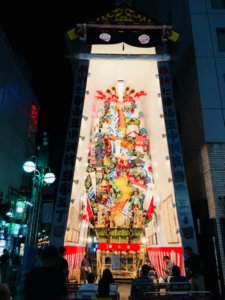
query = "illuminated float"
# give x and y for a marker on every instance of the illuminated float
(122, 177)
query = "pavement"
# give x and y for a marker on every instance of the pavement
(124, 290)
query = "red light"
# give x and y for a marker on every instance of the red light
(121, 247)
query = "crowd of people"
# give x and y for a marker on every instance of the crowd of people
(49, 278)
(148, 278)
(10, 265)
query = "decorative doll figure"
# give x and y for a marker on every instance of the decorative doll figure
(101, 217)
(105, 127)
(141, 144)
(138, 218)
(136, 201)
(117, 143)
(107, 160)
(98, 152)
(104, 191)
(105, 187)
(132, 129)
(127, 111)
(106, 141)
(122, 162)
(135, 204)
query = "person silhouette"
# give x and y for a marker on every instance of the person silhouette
(178, 283)
(4, 266)
(46, 282)
(167, 270)
(85, 268)
(106, 285)
(63, 265)
(4, 292)
(142, 284)
(176, 276)
(194, 270)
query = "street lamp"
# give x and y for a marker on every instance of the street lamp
(42, 176)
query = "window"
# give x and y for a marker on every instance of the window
(221, 38)
(218, 4)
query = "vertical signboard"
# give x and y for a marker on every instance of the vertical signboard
(67, 169)
(186, 224)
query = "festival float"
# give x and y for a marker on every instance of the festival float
(122, 181)
(119, 174)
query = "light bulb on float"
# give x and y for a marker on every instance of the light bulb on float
(143, 240)
(89, 239)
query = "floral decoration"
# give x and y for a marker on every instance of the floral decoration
(111, 95)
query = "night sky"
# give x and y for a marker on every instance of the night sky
(37, 35)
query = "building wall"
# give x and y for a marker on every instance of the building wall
(198, 70)
(16, 136)
(210, 62)
(213, 155)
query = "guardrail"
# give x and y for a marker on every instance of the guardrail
(191, 295)
(142, 290)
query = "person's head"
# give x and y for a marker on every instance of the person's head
(147, 261)
(62, 250)
(176, 270)
(188, 250)
(50, 255)
(145, 269)
(103, 288)
(90, 278)
(5, 251)
(166, 258)
(107, 276)
(4, 292)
